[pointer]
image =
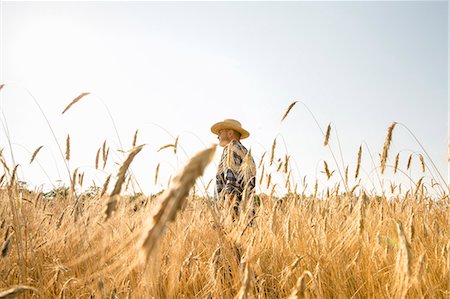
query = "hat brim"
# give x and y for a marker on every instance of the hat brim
(224, 126)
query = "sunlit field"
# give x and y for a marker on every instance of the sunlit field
(341, 242)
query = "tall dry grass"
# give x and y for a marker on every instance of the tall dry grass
(329, 244)
(303, 247)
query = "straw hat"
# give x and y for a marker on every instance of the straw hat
(230, 124)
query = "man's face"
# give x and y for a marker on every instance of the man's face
(224, 137)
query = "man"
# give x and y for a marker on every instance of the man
(235, 176)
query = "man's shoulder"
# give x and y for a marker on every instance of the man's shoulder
(238, 145)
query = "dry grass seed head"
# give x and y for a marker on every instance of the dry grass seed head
(172, 199)
(387, 144)
(82, 95)
(327, 170)
(300, 287)
(403, 265)
(105, 158)
(165, 146)
(358, 164)
(286, 163)
(105, 185)
(327, 135)
(262, 176)
(111, 205)
(422, 162)
(68, 147)
(408, 164)
(262, 159)
(175, 145)
(13, 175)
(74, 180)
(269, 178)
(272, 154)
(97, 157)
(156, 173)
(418, 184)
(288, 110)
(135, 138)
(397, 158)
(346, 175)
(35, 153)
(104, 150)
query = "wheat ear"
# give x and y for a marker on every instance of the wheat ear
(327, 135)
(358, 165)
(288, 110)
(135, 138)
(397, 158)
(82, 95)
(387, 144)
(171, 201)
(68, 148)
(272, 154)
(111, 205)
(35, 153)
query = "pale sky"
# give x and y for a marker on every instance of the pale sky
(182, 66)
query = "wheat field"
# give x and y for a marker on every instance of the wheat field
(179, 245)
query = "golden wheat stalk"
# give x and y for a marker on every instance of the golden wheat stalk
(408, 164)
(422, 162)
(5, 166)
(288, 110)
(33, 156)
(13, 175)
(81, 179)
(280, 164)
(272, 154)
(243, 291)
(104, 150)
(16, 291)
(346, 174)
(165, 146)
(135, 138)
(286, 163)
(269, 178)
(287, 185)
(262, 176)
(97, 158)
(175, 145)
(262, 159)
(418, 184)
(327, 135)
(358, 165)
(68, 148)
(327, 170)
(173, 199)
(74, 178)
(2, 178)
(111, 205)
(397, 158)
(105, 185)
(82, 95)
(300, 287)
(402, 265)
(387, 144)
(156, 173)
(105, 158)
